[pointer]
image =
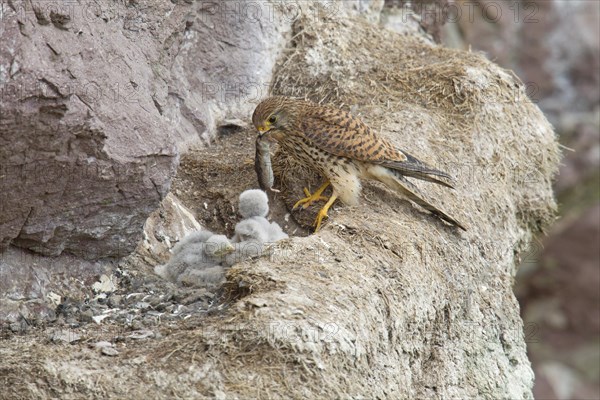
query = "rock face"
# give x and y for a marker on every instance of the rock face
(98, 100)
(435, 306)
(85, 154)
(224, 66)
(385, 301)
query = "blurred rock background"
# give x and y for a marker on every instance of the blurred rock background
(553, 46)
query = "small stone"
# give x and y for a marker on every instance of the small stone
(64, 336)
(87, 316)
(72, 322)
(178, 309)
(101, 344)
(136, 325)
(105, 285)
(139, 360)
(17, 327)
(109, 351)
(115, 301)
(154, 314)
(100, 298)
(142, 334)
(219, 395)
(134, 296)
(98, 318)
(142, 305)
(54, 298)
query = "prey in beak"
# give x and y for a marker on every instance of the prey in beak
(264, 128)
(265, 133)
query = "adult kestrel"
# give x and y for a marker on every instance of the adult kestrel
(344, 150)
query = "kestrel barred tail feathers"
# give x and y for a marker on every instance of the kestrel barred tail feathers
(343, 149)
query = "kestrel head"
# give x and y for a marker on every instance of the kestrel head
(275, 113)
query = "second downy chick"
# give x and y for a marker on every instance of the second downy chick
(195, 262)
(209, 270)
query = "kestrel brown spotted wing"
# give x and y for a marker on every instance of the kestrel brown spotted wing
(343, 149)
(342, 134)
(339, 132)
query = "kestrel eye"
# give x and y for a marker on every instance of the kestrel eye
(272, 119)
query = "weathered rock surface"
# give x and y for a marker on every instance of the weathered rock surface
(85, 154)
(165, 227)
(224, 66)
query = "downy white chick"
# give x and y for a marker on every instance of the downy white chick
(191, 248)
(250, 235)
(193, 258)
(253, 228)
(217, 247)
(202, 277)
(193, 237)
(254, 203)
(276, 233)
(259, 229)
(187, 256)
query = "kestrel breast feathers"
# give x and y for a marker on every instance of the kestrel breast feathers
(344, 150)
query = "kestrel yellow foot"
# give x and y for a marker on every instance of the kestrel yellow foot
(311, 198)
(323, 212)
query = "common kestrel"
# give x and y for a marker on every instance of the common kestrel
(343, 149)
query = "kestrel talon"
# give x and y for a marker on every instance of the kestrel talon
(343, 149)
